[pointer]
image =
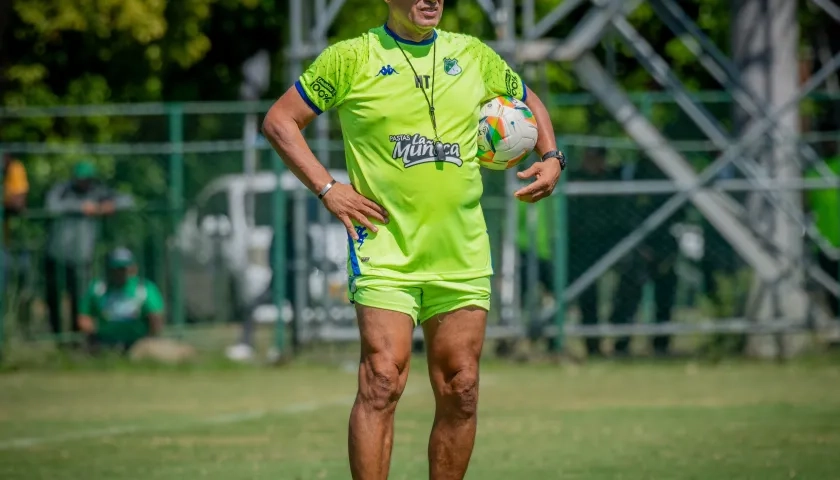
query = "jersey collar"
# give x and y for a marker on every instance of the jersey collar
(398, 38)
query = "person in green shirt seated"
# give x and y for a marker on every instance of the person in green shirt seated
(122, 308)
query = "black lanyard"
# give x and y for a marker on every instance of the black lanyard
(439, 154)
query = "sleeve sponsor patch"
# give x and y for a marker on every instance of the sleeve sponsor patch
(512, 84)
(324, 89)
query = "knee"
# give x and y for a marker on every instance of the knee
(380, 384)
(459, 394)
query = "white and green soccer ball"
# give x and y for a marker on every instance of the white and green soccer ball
(507, 133)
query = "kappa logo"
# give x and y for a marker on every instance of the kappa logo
(361, 232)
(416, 149)
(387, 70)
(451, 67)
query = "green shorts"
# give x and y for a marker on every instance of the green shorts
(420, 300)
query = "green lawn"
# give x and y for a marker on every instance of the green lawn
(601, 421)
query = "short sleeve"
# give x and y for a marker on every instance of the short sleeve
(15, 182)
(499, 79)
(326, 83)
(154, 300)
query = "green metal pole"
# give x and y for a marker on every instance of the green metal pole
(278, 262)
(561, 259)
(176, 211)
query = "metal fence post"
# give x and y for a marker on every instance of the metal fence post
(176, 207)
(278, 262)
(561, 259)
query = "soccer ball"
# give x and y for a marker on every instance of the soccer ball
(507, 133)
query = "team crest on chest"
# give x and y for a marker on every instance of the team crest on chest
(451, 67)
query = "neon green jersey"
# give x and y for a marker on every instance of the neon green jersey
(436, 229)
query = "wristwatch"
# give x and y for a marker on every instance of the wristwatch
(558, 155)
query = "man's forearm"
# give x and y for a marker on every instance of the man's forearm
(546, 141)
(286, 138)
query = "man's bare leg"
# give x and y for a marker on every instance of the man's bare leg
(383, 371)
(454, 341)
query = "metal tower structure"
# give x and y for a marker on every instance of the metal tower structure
(766, 232)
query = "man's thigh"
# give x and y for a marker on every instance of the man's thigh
(454, 341)
(385, 355)
(387, 313)
(385, 332)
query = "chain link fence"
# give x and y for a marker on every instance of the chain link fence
(214, 215)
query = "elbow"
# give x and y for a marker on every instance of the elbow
(267, 125)
(273, 127)
(278, 128)
(275, 122)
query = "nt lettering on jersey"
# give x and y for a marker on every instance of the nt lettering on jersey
(418, 81)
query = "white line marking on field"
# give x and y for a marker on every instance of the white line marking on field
(225, 419)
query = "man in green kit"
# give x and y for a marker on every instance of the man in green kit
(825, 207)
(408, 99)
(122, 308)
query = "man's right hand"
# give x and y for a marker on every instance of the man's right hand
(349, 206)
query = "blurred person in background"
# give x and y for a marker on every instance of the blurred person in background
(15, 187)
(824, 206)
(593, 231)
(654, 261)
(15, 190)
(245, 348)
(15, 261)
(720, 261)
(418, 243)
(121, 309)
(75, 207)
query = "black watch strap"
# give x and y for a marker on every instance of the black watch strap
(558, 155)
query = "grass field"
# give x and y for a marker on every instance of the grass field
(599, 421)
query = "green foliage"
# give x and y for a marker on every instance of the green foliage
(74, 52)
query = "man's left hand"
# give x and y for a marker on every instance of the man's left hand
(547, 174)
